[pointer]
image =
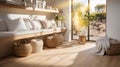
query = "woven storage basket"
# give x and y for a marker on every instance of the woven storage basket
(113, 50)
(59, 38)
(51, 42)
(22, 49)
(37, 45)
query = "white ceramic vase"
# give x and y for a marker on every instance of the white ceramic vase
(59, 23)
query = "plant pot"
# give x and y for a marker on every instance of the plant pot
(59, 23)
(82, 39)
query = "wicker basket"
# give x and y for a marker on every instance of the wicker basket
(59, 38)
(37, 45)
(22, 49)
(113, 50)
(51, 42)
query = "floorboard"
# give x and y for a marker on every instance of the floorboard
(66, 55)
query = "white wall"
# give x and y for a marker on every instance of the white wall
(65, 5)
(113, 18)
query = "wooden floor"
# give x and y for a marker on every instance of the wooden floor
(64, 56)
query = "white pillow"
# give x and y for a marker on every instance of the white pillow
(36, 24)
(16, 25)
(28, 24)
(54, 25)
(3, 26)
(49, 24)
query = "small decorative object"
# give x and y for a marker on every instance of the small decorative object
(51, 7)
(22, 48)
(37, 45)
(39, 4)
(56, 9)
(59, 23)
(44, 4)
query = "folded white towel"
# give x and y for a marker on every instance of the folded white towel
(103, 44)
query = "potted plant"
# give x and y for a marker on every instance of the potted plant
(83, 30)
(59, 19)
(83, 27)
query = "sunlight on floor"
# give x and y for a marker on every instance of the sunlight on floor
(55, 57)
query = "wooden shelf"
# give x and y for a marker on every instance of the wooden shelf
(17, 37)
(46, 10)
(13, 6)
(42, 10)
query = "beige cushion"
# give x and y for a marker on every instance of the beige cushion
(36, 24)
(49, 24)
(3, 26)
(28, 24)
(16, 25)
(53, 24)
(43, 23)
